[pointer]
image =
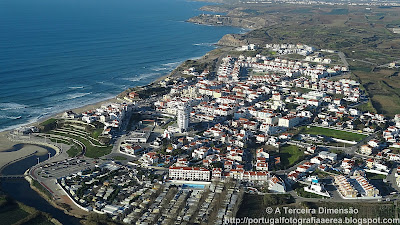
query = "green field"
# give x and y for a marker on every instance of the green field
(91, 151)
(95, 150)
(374, 176)
(290, 155)
(333, 133)
(73, 151)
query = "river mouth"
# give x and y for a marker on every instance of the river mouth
(15, 148)
(20, 190)
(22, 165)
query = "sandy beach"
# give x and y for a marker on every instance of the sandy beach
(6, 144)
(26, 150)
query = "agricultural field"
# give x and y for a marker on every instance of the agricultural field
(12, 212)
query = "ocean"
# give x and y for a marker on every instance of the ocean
(61, 54)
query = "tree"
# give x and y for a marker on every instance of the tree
(217, 165)
(97, 218)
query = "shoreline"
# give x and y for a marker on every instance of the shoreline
(93, 105)
(97, 104)
(90, 106)
(85, 107)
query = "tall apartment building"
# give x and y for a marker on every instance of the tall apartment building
(183, 117)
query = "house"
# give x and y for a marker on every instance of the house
(150, 158)
(370, 163)
(69, 115)
(347, 165)
(288, 121)
(311, 149)
(294, 175)
(366, 150)
(367, 189)
(328, 155)
(262, 153)
(276, 184)
(181, 162)
(317, 160)
(393, 157)
(216, 173)
(262, 166)
(344, 187)
(261, 138)
(200, 153)
(373, 143)
(133, 95)
(131, 149)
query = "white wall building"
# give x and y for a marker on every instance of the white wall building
(189, 173)
(183, 117)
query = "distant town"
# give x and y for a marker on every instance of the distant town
(327, 2)
(186, 149)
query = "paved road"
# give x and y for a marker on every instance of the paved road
(391, 178)
(343, 58)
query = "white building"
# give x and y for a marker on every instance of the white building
(277, 185)
(328, 155)
(189, 173)
(289, 121)
(183, 118)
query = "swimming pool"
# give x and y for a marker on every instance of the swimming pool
(194, 186)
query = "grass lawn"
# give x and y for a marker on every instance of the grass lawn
(374, 176)
(47, 122)
(97, 132)
(73, 151)
(290, 154)
(91, 151)
(165, 126)
(42, 189)
(96, 152)
(119, 158)
(333, 133)
(367, 107)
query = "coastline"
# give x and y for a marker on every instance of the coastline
(80, 214)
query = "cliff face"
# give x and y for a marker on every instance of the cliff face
(233, 40)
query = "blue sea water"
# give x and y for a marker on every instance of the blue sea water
(60, 54)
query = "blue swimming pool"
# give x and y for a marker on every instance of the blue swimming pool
(195, 186)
